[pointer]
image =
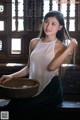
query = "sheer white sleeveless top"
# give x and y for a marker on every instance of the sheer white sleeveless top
(40, 57)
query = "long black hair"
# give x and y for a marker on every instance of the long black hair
(61, 34)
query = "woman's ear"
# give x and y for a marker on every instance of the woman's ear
(60, 27)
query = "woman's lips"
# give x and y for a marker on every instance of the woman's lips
(47, 30)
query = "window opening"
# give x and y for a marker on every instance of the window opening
(0, 45)
(16, 46)
(1, 25)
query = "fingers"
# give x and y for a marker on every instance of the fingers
(73, 43)
(1, 79)
(4, 79)
(74, 40)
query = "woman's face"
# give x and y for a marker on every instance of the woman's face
(51, 26)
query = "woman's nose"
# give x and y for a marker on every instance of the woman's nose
(48, 25)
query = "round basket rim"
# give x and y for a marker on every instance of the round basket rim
(26, 87)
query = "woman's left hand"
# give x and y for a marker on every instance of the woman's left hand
(73, 44)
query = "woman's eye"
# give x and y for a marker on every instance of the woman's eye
(46, 21)
(53, 24)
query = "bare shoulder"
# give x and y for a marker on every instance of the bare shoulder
(60, 47)
(35, 39)
(34, 42)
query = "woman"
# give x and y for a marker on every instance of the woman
(46, 54)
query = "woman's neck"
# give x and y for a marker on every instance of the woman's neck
(48, 39)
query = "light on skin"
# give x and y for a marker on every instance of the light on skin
(51, 27)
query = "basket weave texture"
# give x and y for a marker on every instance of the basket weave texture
(19, 88)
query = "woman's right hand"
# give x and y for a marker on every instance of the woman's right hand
(5, 78)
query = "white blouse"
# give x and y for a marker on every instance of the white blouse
(40, 58)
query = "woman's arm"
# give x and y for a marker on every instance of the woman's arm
(25, 71)
(21, 73)
(62, 55)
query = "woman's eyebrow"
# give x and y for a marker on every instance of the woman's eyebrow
(54, 22)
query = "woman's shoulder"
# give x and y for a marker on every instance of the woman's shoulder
(34, 42)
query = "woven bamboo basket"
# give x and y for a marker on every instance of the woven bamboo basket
(19, 88)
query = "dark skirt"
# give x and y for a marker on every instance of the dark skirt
(48, 100)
